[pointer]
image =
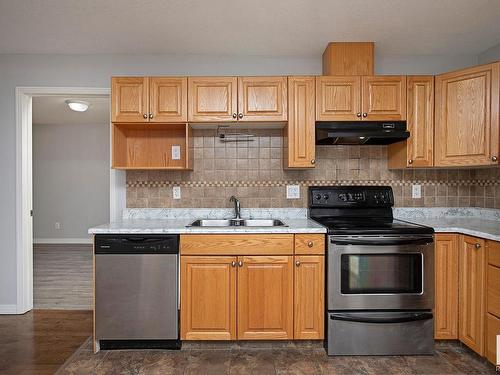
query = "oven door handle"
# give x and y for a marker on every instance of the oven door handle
(396, 318)
(381, 241)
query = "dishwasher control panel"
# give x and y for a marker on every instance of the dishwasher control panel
(136, 244)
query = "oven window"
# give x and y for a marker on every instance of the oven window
(381, 273)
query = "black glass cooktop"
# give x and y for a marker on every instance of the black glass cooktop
(360, 226)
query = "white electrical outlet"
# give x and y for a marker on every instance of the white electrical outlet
(176, 152)
(292, 191)
(57, 225)
(416, 191)
(176, 192)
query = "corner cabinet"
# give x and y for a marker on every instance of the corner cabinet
(299, 133)
(467, 117)
(418, 150)
(250, 287)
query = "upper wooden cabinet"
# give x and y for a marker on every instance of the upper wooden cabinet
(384, 98)
(472, 292)
(418, 150)
(262, 99)
(446, 286)
(129, 99)
(367, 98)
(212, 99)
(168, 99)
(467, 117)
(148, 99)
(216, 99)
(338, 98)
(300, 146)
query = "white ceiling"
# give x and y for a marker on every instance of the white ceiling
(252, 27)
(52, 110)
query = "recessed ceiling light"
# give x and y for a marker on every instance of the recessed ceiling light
(77, 105)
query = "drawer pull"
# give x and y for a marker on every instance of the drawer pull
(310, 244)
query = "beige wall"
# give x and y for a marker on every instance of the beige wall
(253, 172)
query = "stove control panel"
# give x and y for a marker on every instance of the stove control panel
(348, 196)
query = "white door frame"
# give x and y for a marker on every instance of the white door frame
(24, 188)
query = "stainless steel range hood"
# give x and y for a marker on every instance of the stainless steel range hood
(360, 132)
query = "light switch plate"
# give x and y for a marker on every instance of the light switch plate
(176, 152)
(416, 191)
(292, 191)
(176, 192)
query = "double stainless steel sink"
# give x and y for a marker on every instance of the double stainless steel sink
(237, 223)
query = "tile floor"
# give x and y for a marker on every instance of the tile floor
(450, 358)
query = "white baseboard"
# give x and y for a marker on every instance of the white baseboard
(8, 309)
(56, 241)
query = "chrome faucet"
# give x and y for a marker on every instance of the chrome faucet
(237, 207)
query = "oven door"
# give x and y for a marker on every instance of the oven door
(380, 272)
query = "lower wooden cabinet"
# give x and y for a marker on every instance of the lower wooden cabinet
(252, 297)
(265, 298)
(472, 292)
(309, 297)
(492, 330)
(446, 287)
(208, 298)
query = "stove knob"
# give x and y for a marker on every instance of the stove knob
(326, 196)
(317, 197)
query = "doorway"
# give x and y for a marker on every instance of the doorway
(24, 196)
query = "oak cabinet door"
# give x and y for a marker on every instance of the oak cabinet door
(492, 330)
(420, 120)
(208, 298)
(300, 130)
(471, 293)
(338, 98)
(212, 99)
(446, 287)
(309, 301)
(467, 116)
(129, 99)
(384, 98)
(168, 99)
(265, 298)
(262, 99)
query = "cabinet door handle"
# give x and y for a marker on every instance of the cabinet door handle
(297, 263)
(477, 245)
(365, 114)
(358, 114)
(235, 115)
(410, 161)
(494, 158)
(150, 115)
(145, 115)
(240, 263)
(240, 115)
(310, 244)
(313, 161)
(233, 264)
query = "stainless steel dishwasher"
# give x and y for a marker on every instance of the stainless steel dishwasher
(136, 291)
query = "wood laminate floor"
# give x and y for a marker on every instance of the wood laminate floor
(62, 277)
(40, 341)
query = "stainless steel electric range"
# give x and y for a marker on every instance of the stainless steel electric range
(380, 274)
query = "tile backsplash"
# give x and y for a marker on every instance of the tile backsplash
(252, 170)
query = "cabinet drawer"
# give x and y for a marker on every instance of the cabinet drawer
(237, 244)
(492, 330)
(493, 252)
(493, 290)
(309, 244)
